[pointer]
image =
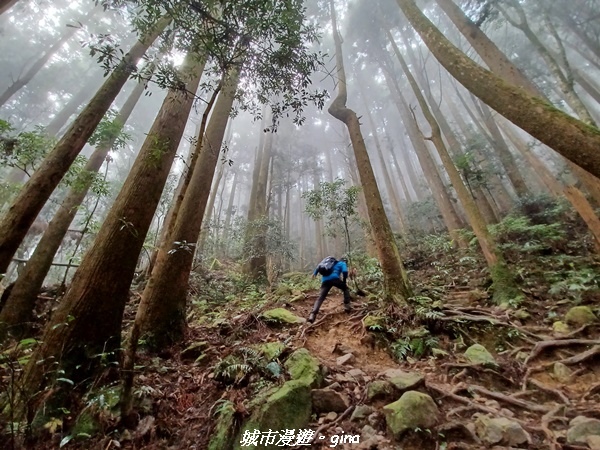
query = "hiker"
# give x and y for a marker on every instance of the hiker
(331, 270)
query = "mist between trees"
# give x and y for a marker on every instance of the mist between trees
(146, 142)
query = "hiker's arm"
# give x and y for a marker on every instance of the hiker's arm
(344, 272)
(315, 272)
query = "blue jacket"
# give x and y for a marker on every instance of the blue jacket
(339, 269)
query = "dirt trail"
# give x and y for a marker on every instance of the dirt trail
(336, 332)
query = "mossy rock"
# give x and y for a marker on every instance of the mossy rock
(301, 365)
(580, 315)
(224, 434)
(281, 315)
(381, 389)
(283, 290)
(478, 354)
(288, 408)
(413, 410)
(271, 350)
(560, 328)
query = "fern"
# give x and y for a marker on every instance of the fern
(428, 313)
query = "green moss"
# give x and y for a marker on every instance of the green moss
(271, 350)
(225, 430)
(281, 315)
(478, 354)
(288, 408)
(580, 315)
(504, 285)
(301, 365)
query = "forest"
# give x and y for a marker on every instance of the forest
(172, 173)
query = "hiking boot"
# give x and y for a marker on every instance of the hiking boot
(347, 308)
(311, 317)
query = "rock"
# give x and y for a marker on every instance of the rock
(288, 407)
(271, 350)
(500, 430)
(560, 328)
(361, 412)
(593, 441)
(283, 290)
(403, 381)
(301, 365)
(522, 314)
(335, 386)
(224, 431)
(376, 419)
(478, 354)
(331, 416)
(580, 428)
(368, 431)
(380, 389)
(580, 315)
(346, 359)
(325, 400)
(561, 372)
(413, 410)
(342, 349)
(357, 374)
(281, 315)
(194, 351)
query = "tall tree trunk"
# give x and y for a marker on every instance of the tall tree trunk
(63, 116)
(565, 80)
(396, 285)
(504, 155)
(34, 69)
(578, 31)
(229, 214)
(570, 137)
(393, 196)
(32, 197)
(434, 180)
(256, 264)
(500, 193)
(21, 301)
(88, 320)
(486, 49)
(549, 180)
(499, 64)
(161, 314)
(504, 286)
(5, 5)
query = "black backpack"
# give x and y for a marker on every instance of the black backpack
(325, 267)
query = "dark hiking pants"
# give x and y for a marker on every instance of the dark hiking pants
(326, 287)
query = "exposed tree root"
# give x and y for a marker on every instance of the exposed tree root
(508, 399)
(542, 387)
(545, 345)
(591, 391)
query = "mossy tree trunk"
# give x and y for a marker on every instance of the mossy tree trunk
(572, 138)
(161, 314)
(32, 197)
(21, 301)
(86, 327)
(396, 284)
